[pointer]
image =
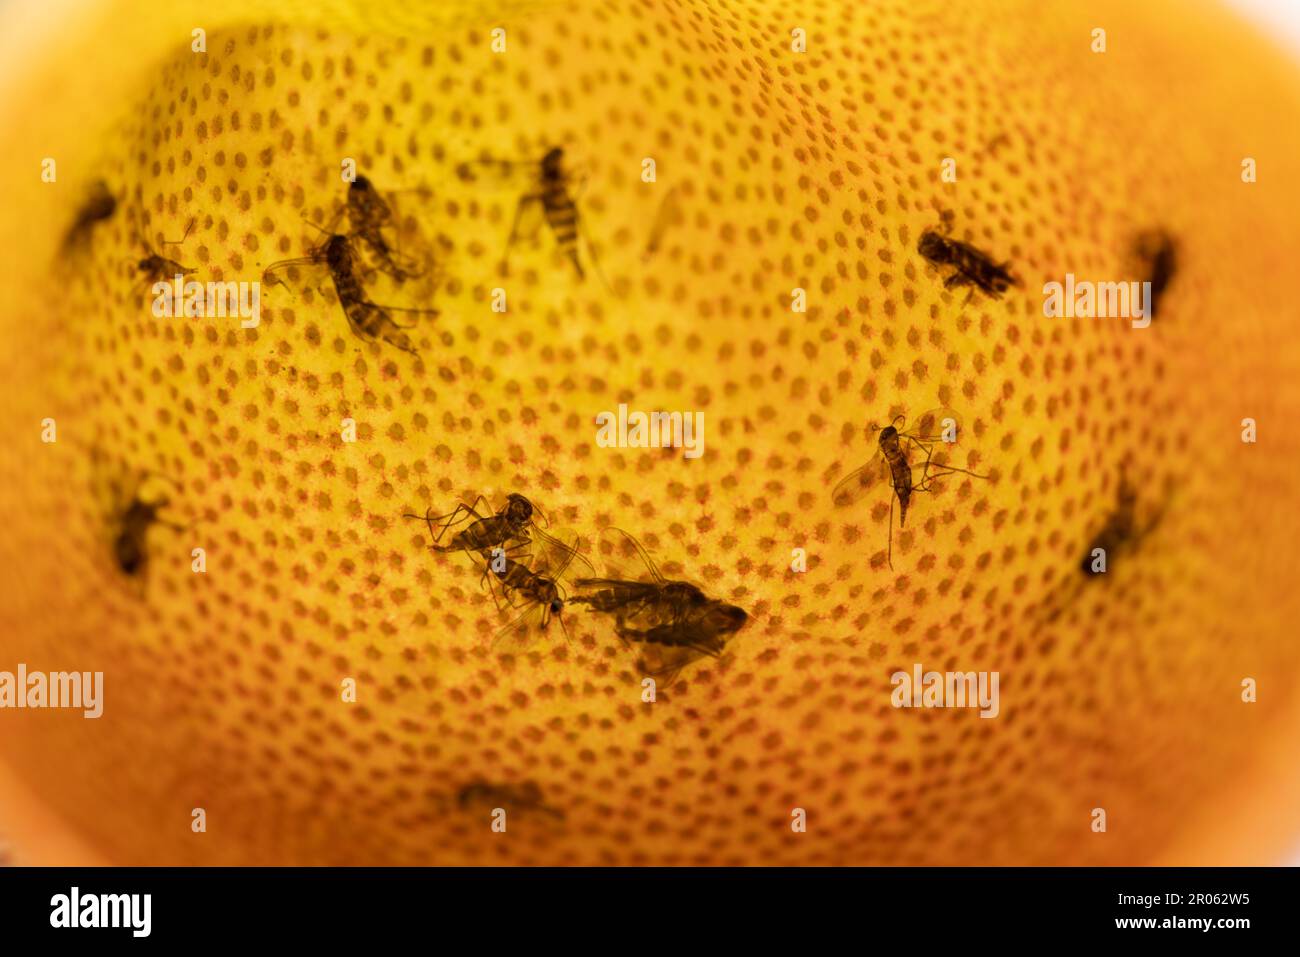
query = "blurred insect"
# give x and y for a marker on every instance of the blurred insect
(669, 215)
(672, 622)
(368, 320)
(970, 266)
(526, 796)
(98, 206)
(1158, 255)
(156, 268)
(537, 587)
(132, 514)
(892, 462)
(550, 196)
(512, 526)
(1120, 533)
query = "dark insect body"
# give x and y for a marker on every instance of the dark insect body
(1120, 533)
(367, 320)
(551, 194)
(369, 215)
(969, 266)
(672, 622)
(1158, 254)
(99, 206)
(518, 797)
(892, 461)
(538, 587)
(157, 268)
(511, 527)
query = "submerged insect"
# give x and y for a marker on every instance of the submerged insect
(1121, 532)
(369, 215)
(510, 527)
(628, 597)
(551, 196)
(938, 425)
(98, 206)
(672, 622)
(526, 796)
(368, 320)
(1158, 254)
(157, 268)
(537, 587)
(700, 632)
(132, 515)
(970, 266)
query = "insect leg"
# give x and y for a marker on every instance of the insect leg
(524, 202)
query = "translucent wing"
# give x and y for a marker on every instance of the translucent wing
(524, 631)
(553, 554)
(937, 425)
(857, 484)
(627, 560)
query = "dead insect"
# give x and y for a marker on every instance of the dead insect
(537, 587)
(630, 598)
(518, 797)
(132, 515)
(98, 206)
(156, 268)
(1157, 252)
(699, 632)
(511, 526)
(551, 196)
(369, 215)
(368, 320)
(1121, 532)
(672, 622)
(938, 425)
(970, 266)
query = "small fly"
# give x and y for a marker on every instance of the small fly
(538, 588)
(671, 622)
(969, 266)
(367, 320)
(938, 425)
(369, 215)
(157, 268)
(551, 195)
(512, 526)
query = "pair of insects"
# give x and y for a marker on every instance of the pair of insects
(346, 254)
(520, 560)
(892, 464)
(671, 622)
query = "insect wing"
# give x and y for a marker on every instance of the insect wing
(857, 484)
(523, 631)
(937, 425)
